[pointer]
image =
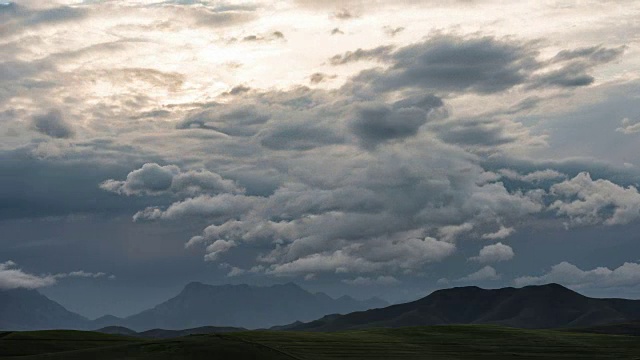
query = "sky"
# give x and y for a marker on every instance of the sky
(367, 148)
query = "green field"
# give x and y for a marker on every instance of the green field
(436, 342)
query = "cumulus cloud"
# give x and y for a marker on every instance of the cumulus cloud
(487, 273)
(494, 253)
(12, 277)
(52, 124)
(502, 233)
(532, 177)
(629, 127)
(587, 201)
(153, 179)
(222, 206)
(628, 274)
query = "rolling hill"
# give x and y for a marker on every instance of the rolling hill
(532, 307)
(438, 342)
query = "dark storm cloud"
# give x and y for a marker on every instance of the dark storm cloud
(451, 63)
(299, 136)
(377, 123)
(234, 120)
(476, 133)
(594, 54)
(571, 75)
(53, 124)
(478, 64)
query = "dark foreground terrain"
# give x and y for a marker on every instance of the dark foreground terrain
(436, 342)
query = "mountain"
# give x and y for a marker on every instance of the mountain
(545, 306)
(22, 309)
(241, 306)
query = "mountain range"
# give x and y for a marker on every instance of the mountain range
(197, 305)
(532, 307)
(201, 308)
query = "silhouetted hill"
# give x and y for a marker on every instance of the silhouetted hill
(105, 321)
(117, 330)
(167, 334)
(546, 306)
(241, 306)
(22, 309)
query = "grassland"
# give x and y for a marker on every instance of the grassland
(437, 342)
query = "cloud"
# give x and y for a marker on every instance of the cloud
(487, 273)
(451, 63)
(343, 14)
(494, 253)
(298, 136)
(383, 280)
(18, 18)
(317, 78)
(378, 53)
(374, 123)
(575, 67)
(12, 277)
(502, 233)
(628, 274)
(218, 247)
(52, 124)
(451, 232)
(222, 207)
(393, 31)
(532, 177)
(153, 179)
(476, 64)
(586, 201)
(629, 127)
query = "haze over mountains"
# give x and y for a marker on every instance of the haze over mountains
(242, 306)
(196, 305)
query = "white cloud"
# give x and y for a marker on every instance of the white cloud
(629, 127)
(487, 273)
(12, 277)
(533, 177)
(494, 253)
(451, 232)
(153, 179)
(218, 247)
(503, 232)
(587, 201)
(565, 273)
